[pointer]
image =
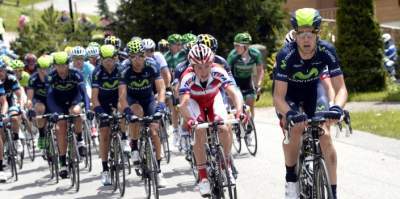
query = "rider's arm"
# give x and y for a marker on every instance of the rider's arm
(166, 75)
(3, 104)
(19, 93)
(184, 106)
(95, 99)
(82, 89)
(122, 96)
(160, 90)
(260, 75)
(340, 90)
(231, 91)
(279, 97)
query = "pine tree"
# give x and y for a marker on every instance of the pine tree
(359, 45)
(103, 8)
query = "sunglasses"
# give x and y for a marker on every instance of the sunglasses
(149, 51)
(137, 55)
(306, 34)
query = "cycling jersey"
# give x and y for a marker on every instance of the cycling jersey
(140, 85)
(160, 59)
(174, 60)
(87, 70)
(10, 86)
(303, 76)
(39, 88)
(107, 83)
(205, 93)
(63, 93)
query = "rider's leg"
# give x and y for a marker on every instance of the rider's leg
(329, 153)
(61, 136)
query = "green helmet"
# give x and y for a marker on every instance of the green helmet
(45, 61)
(107, 51)
(174, 38)
(60, 58)
(94, 44)
(306, 17)
(134, 47)
(17, 64)
(188, 37)
(243, 38)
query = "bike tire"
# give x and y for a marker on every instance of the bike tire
(11, 156)
(322, 182)
(53, 152)
(251, 147)
(237, 141)
(73, 161)
(119, 163)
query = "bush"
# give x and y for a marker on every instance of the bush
(48, 35)
(359, 46)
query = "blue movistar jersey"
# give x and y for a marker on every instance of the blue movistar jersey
(140, 85)
(38, 86)
(107, 83)
(301, 75)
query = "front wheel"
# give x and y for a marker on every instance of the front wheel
(322, 185)
(250, 137)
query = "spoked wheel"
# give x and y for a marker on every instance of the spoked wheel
(151, 183)
(19, 157)
(322, 185)
(87, 138)
(52, 157)
(193, 165)
(236, 131)
(232, 192)
(30, 145)
(73, 163)
(250, 137)
(164, 141)
(119, 166)
(12, 158)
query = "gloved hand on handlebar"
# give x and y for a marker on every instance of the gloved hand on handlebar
(294, 117)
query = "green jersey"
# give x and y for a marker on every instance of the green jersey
(174, 60)
(244, 69)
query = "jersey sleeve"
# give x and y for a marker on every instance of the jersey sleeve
(257, 56)
(280, 72)
(222, 75)
(2, 90)
(95, 79)
(333, 61)
(185, 84)
(14, 83)
(160, 60)
(123, 77)
(231, 57)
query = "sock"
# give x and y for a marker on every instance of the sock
(134, 145)
(1, 165)
(333, 190)
(291, 174)
(41, 132)
(63, 160)
(105, 165)
(202, 172)
(15, 136)
(79, 137)
(123, 136)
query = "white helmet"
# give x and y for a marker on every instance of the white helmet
(386, 37)
(148, 44)
(92, 51)
(200, 54)
(78, 51)
(289, 37)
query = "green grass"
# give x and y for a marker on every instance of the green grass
(10, 15)
(265, 99)
(382, 96)
(21, 2)
(384, 123)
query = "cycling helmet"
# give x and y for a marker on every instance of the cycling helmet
(174, 38)
(113, 40)
(17, 64)
(209, 41)
(60, 58)
(68, 49)
(78, 51)
(107, 51)
(134, 47)
(289, 37)
(148, 44)
(163, 45)
(306, 17)
(136, 38)
(92, 51)
(30, 59)
(200, 54)
(94, 44)
(188, 37)
(386, 37)
(45, 61)
(242, 38)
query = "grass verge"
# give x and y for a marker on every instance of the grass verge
(384, 123)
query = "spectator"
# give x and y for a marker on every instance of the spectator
(22, 21)
(64, 17)
(85, 22)
(390, 56)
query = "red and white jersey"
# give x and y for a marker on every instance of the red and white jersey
(204, 96)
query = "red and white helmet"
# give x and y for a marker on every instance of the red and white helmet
(200, 54)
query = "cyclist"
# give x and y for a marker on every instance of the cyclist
(30, 63)
(163, 46)
(3, 111)
(299, 66)
(66, 92)
(105, 83)
(117, 43)
(22, 76)
(78, 55)
(93, 55)
(36, 93)
(136, 96)
(289, 37)
(174, 56)
(390, 55)
(13, 89)
(243, 59)
(149, 51)
(199, 90)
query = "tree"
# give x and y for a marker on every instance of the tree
(221, 18)
(103, 8)
(359, 45)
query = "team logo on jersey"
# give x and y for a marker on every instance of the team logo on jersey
(65, 87)
(139, 83)
(283, 64)
(108, 85)
(301, 76)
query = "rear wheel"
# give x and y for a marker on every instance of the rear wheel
(237, 144)
(73, 160)
(250, 138)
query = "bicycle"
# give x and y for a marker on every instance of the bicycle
(11, 154)
(312, 172)
(148, 168)
(163, 134)
(28, 138)
(217, 171)
(246, 131)
(86, 133)
(50, 152)
(347, 125)
(116, 156)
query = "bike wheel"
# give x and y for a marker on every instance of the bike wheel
(322, 183)
(152, 169)
(87, 138)
(193, 165)
(52, 155)
(73, 160)
(237, 143)
(232, 192)
(119, 164)
(19, 157)
(164, 141)
(30, 144)
(250, 138)
(11, 157)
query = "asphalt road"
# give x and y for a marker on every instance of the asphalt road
(368, 167)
